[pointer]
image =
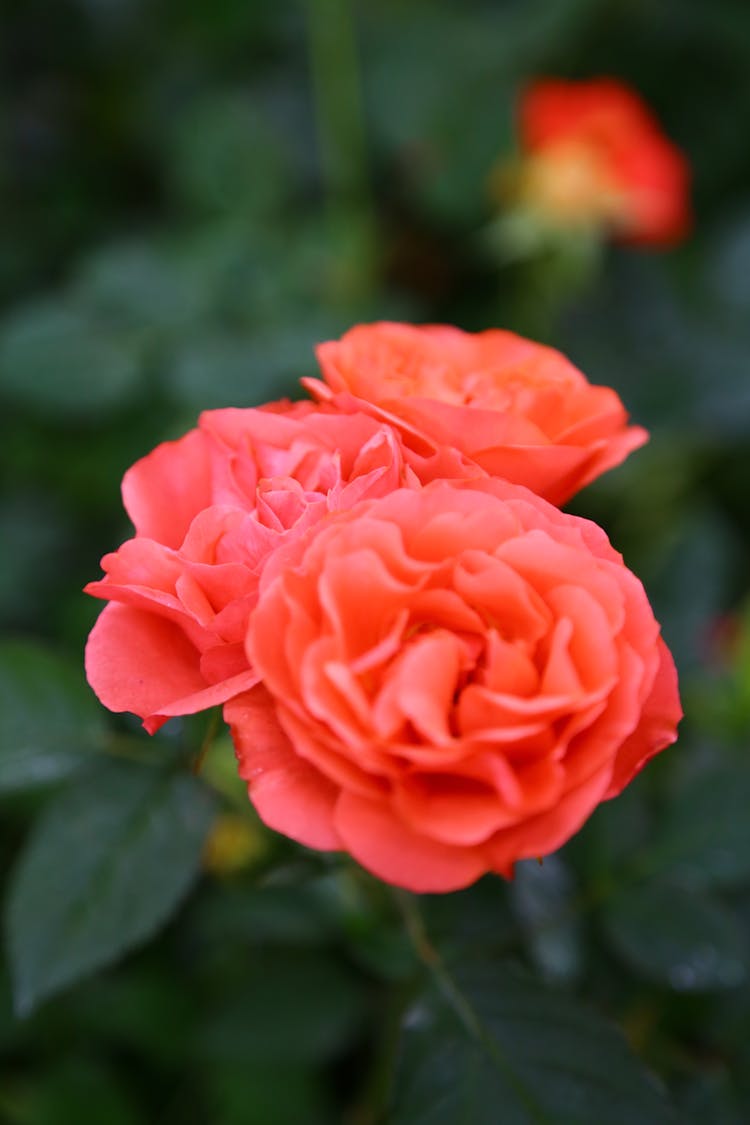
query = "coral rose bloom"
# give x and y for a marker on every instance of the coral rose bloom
(519, 410)
(593, 152)
(452, 679)
(208, 510)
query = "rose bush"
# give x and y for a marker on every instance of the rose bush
(453, 678)
(208, 510)
(593, 152)
(519, 410)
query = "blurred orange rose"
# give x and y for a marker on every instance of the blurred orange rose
(592, 152)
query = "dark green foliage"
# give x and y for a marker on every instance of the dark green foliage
(49, 722)
(106, 864)
(531, 1056)
(677, 938)
(191, 196)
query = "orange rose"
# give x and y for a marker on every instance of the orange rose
(593, 152)
(452, 679)
(517, 409)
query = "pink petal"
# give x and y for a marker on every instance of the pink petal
(420, 687)
(143, 663)
(289, 794)
(549, 830)
(164, 490)
(140, 662)
(452, 809)
(203, 700)
(657, 728)
(392, 851)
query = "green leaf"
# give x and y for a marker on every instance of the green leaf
(542, 898)
(50, 722)
(537, 1058)
(673, 937)
(704, 839)
(56, 359)
(105, 866)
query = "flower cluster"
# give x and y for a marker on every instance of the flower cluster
(422, 660)
(593, 154)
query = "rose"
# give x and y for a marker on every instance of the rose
(208, 510)
(452, 679)
(519, 410)
(593, 152)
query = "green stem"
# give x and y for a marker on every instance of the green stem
(432, 960)
(338, 101)
(342, 142)
(461, 1005)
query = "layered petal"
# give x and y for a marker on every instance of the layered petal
(289, 795)
(210, 510)
(144, 663)
(516, 409)
(458, 675)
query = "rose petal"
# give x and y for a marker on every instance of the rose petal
(539, 835)
(657, 728)
(392, 851)
(420, 688)
(357, 765)
(288, 793)
(211, 696)
(165, 490)
(452, 808)
(140, 662)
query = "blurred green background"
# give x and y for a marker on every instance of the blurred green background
(192, 195)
